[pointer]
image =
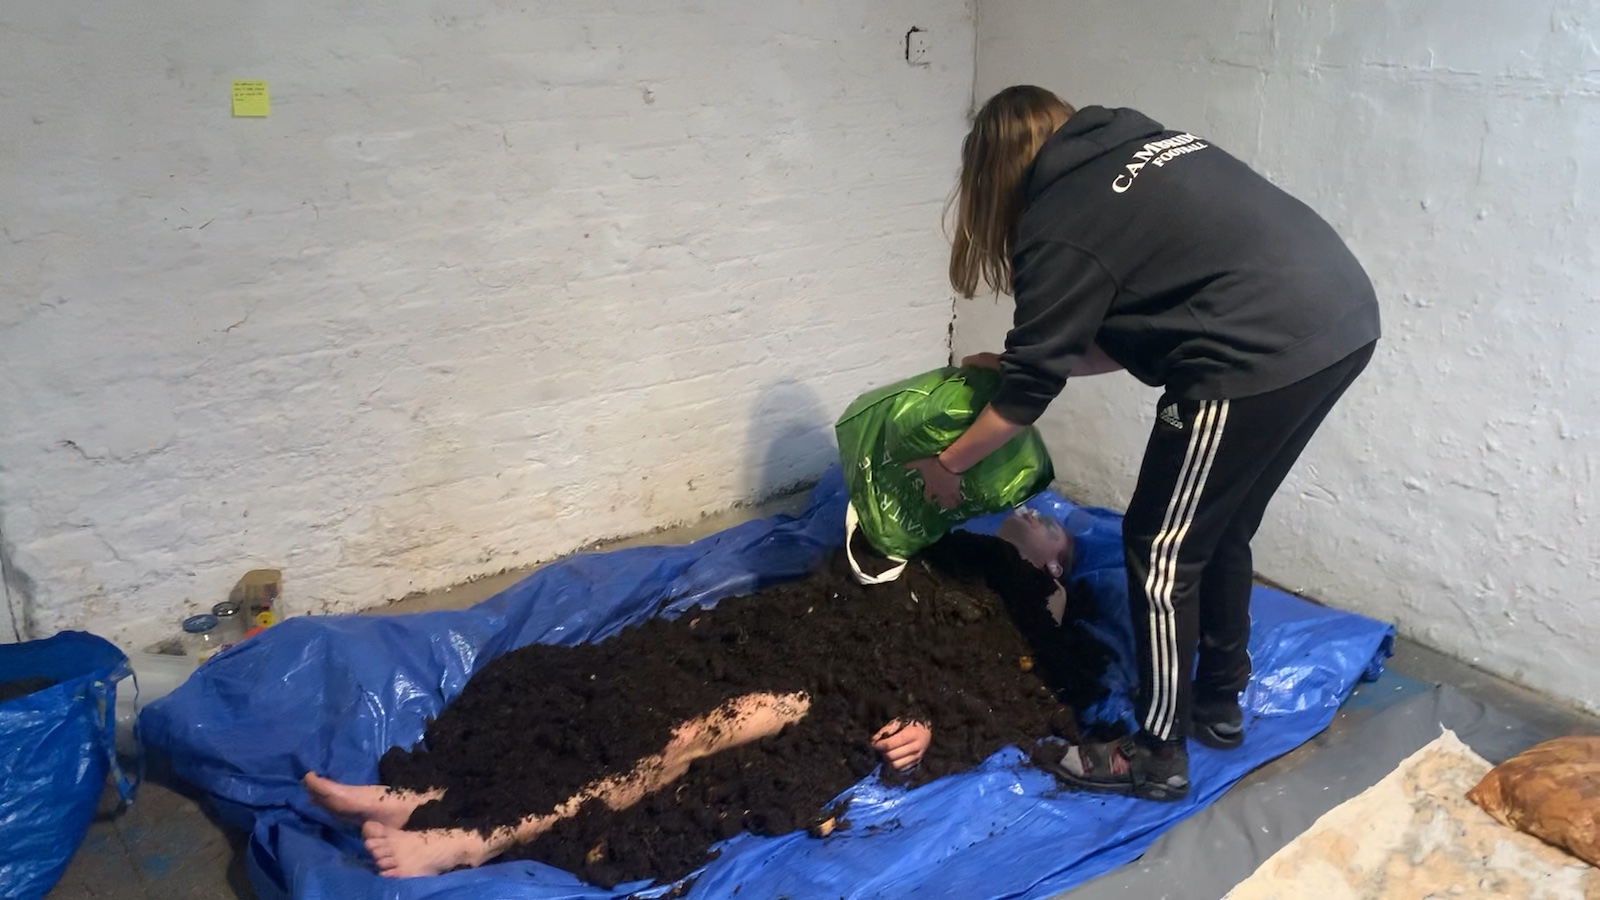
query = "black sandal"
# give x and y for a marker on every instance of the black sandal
(1218, 724)
(1130, 767)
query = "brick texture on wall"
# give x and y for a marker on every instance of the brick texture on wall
(493, 281)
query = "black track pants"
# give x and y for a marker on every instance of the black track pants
(1208, 473)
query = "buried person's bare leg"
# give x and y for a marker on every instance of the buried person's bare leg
(366, 802)
(402, 854)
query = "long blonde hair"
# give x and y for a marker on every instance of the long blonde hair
(1006, 134)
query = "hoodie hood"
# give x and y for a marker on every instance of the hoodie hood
(1090, 134)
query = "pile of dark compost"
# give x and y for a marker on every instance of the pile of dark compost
(963, 641)
(22, 687)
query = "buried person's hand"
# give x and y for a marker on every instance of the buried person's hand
(939, 484)
(901, 744)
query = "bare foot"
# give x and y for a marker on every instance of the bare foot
(408, 854)
(365, 802)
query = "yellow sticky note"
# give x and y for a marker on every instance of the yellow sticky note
(250, 98)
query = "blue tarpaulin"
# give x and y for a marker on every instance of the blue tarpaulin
(331, 694)
(56, 749)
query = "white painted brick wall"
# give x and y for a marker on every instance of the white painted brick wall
(493, 281)
(1453, 144)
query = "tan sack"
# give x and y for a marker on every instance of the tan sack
(1551, 792)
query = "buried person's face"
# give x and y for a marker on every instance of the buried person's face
(1039, 539)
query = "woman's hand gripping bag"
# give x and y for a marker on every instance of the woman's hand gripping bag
(919, 417)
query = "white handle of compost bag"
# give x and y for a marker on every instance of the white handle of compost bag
(851, 525)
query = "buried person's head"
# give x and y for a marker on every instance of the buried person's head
(1040, 540)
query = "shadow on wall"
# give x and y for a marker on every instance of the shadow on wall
(16, 589)
(790, 440)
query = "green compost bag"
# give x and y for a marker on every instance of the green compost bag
(914, 419)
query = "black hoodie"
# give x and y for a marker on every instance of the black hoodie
(1184, 265)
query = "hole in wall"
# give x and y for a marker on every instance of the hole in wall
(910, 35)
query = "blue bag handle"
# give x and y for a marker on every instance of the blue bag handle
(104, 690)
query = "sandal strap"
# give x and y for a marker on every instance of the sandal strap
(1099, 760)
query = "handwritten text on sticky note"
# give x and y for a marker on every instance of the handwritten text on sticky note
(250, 98)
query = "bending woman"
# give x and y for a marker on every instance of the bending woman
(1128, 245)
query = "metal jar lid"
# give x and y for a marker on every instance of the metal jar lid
(199, 624)
(225, 609)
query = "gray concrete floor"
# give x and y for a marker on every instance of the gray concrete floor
(165, 847)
